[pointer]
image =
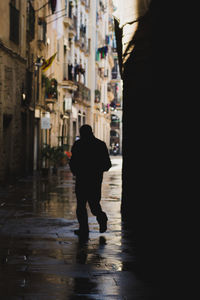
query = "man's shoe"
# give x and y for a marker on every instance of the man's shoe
(103, 223)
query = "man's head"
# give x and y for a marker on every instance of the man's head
(86, 131)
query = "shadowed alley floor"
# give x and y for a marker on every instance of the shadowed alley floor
(41, 258)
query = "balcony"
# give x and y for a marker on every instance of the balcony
(82, 94)
(50, 100)
(67, 21)
(97, 98)
(77, 41)
(73, 74)
(82, 45)
(87, 5)
(115, 122)
(114, 75)
(73, 27)
(50, 89)
(83, 30)
(68, 77)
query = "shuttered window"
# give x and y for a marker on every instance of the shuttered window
(14, 24)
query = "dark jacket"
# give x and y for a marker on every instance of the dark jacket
(89, 157)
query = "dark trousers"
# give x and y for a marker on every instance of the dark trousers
(88, 190)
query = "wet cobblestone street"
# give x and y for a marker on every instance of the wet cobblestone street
(42, 259)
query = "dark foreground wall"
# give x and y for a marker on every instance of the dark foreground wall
(149, 145)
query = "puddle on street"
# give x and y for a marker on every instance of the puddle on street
(41, 258)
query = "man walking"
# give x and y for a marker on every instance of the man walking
(89, 160)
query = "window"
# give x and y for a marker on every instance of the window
(66, 7)
(84, 118)
(79, 119)
(30, 22)
(14, 23)
(42, 28)
(15, 3)
(70, 9)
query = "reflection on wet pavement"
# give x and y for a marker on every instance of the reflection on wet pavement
(41, 258)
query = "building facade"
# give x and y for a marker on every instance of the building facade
(56, 62)
(16, 109)
(116, 89)
(103, 67)
(82, 39)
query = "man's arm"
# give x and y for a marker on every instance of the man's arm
(106, 161)
(73, 160)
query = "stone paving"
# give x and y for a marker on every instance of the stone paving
(42, 259)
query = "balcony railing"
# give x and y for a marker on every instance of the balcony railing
(114, 74)
(67, 21)
(97, 96)
(73, 26)
(51, 91)
(82, 30)
(77, 40)
(83, 45)
(73, 73)
(82, 93)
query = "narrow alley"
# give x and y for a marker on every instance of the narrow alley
(41, 258)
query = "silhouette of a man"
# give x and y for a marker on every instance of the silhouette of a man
(89, 160)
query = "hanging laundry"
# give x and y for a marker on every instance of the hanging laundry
(97, 55)
(107, 39)
(103, 51)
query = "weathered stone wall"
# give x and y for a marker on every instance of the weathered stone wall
(13, 66)
(147, 158)
(1, 114)
(13, 72)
